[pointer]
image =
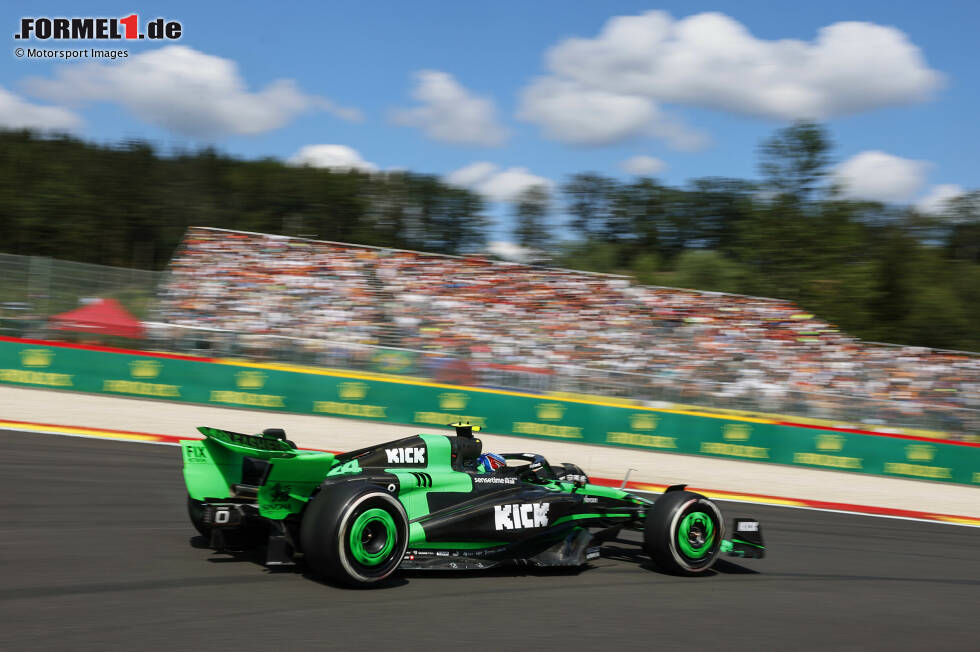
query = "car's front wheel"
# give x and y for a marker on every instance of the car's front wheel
(682, 532)
(355, 534)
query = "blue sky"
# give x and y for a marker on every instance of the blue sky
(467, 88)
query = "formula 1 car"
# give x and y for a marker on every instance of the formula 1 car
(422, 503)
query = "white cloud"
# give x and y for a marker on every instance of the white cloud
(512, 251)
(643, 165)
(185, 91)
(338, 157)
(450, 113)
(878, 176)
(935, 200)
(493, 182)
(18, 113)
(605, 89)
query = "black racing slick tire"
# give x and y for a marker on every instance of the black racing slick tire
(354, 534)
(683, 533)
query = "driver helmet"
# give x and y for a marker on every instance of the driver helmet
(490, 462)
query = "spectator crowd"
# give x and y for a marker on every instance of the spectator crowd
(589, 332)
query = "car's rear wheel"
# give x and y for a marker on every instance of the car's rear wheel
(355, 534)
(683, 532)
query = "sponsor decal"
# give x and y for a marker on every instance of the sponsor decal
(736, 431)
(550, 411)
(574, 477)
(829, 443)
(493, 480)
(915, 453)
(590, 499)
(592, 553)
(546, 430)
(520, 516)
(247, 398)
(43, 28)
(920, 452)
(453, 401)
(195, 455)
(251, 441)
(145, 369)
(352, 391)
(142, 370)
(350, 409)
(636, 439)
(748, 526)
(36, 357)
(734, 450)
(143, 389)
(919, 470)
(407, 455)
(443, 418)
(35, 377)
(831, 461)
(250, 379)
(643, 421)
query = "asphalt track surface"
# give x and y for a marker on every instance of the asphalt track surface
(97, 554)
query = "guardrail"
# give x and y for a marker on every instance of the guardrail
(36, 363)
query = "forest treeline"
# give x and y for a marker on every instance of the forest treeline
(881, 272)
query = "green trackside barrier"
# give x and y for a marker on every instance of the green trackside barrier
(41, 364)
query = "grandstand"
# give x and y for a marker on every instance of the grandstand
(553, 329)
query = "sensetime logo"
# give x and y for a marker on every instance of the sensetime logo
(97, 29)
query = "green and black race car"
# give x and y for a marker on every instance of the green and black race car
(422, 503)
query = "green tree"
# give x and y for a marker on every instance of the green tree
(708, 270)
(962, 219)
(589, 202)
(795, 159)
(531, 211)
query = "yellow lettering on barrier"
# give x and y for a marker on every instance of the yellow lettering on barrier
(35, 377)
(443, 419)
(634, 439)
(976, 477)
(734, 450)
(350, 409)
(918, 470)
(834, 461)
(245, 398)
(546, 430)
(144, 389)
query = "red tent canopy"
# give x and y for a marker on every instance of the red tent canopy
(104, 317)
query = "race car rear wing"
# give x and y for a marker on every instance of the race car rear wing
(266, 468)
